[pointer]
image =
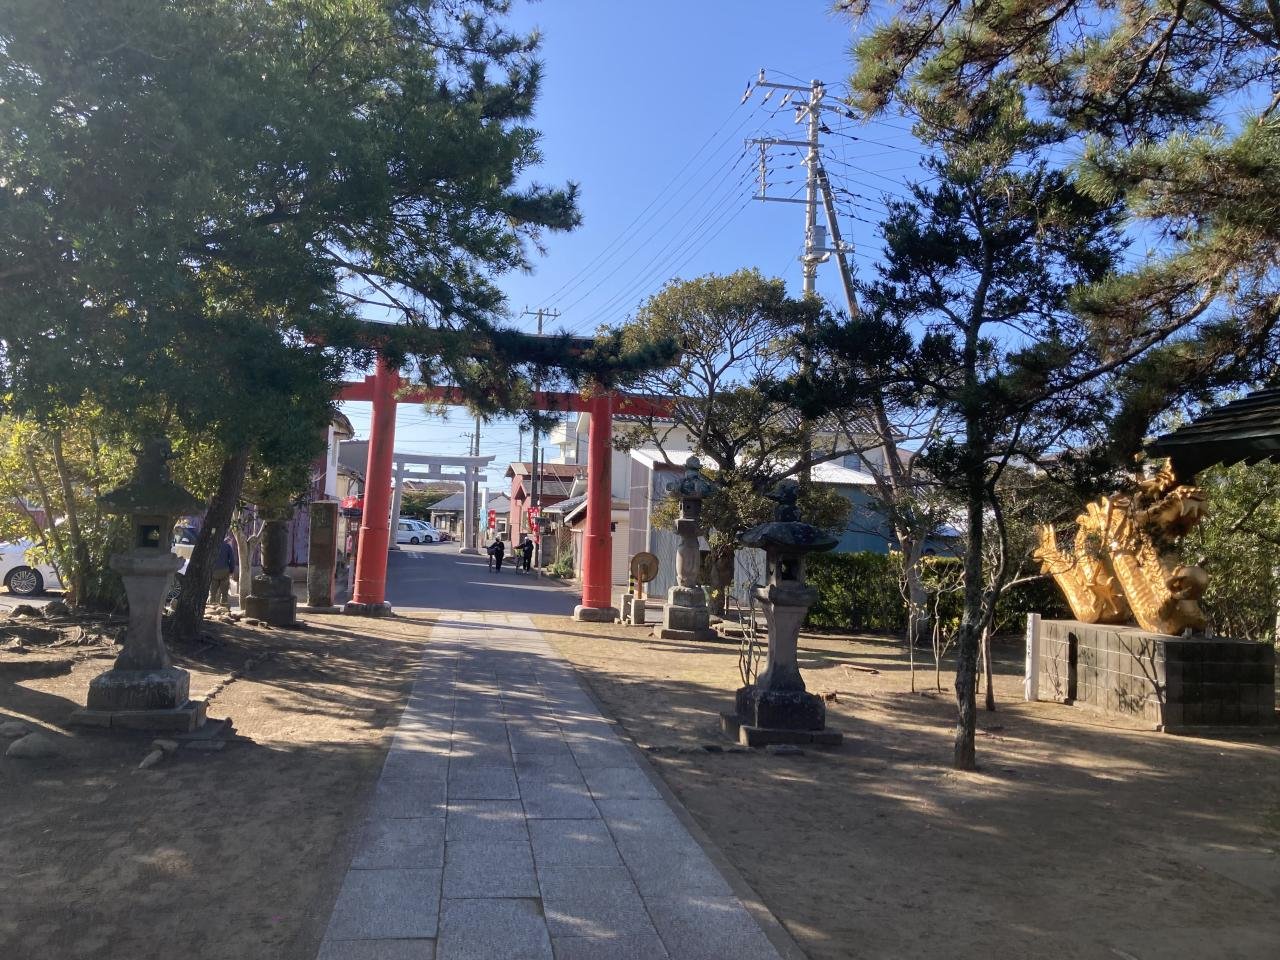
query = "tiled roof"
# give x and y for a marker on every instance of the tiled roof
(1246, 430)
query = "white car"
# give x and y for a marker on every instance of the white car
(20, 575)
(416, 531)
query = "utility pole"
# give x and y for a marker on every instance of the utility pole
(815, 239)
(535, 491)
(473, 491)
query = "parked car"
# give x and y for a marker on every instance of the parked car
(416, 531)
(20, 575)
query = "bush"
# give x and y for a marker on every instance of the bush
(860, 591)
(856, 591)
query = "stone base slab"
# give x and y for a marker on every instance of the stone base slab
(780, 709)
(190, 716)
(277, 611)
(666, 633)
(353, 609)
(595, 614)
(139, 690)
(751, 736)
(313, 608)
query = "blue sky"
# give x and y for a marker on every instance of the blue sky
(640, 106)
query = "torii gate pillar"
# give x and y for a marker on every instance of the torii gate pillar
(369, 597)
(597, 542)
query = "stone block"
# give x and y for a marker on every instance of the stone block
(606, 753)
(594, 614)
(412, 799)
(663, 869)
(483, 783)
(567, 881)
(578, 842)
(409, 843)
(486, 820)
(402, 764)
(184, 719)
(377, 950)
(489, 868)
(780, 709)
(487, 929)
(557, 800)
(619, 783)
(703, 928)
(165, 689)
(611, 912)
(628, 947)
(535, 767)
(386, 904)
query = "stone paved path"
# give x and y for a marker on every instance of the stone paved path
(511, 823)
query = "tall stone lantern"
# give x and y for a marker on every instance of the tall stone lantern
(686, 616)
(777, 708)
(144, 690)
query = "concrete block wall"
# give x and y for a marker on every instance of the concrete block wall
(1169, 682)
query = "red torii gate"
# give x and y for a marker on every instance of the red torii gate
(371, 554)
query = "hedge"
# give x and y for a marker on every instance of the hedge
(859, 591)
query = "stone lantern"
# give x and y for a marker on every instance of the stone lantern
(777, 708)
(686, 616)
(144, 690)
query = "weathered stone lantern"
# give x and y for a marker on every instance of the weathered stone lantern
(144, 690)
(777, 708)
(686, 616)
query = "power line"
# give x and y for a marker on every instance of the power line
(646, 215)
(709, 197)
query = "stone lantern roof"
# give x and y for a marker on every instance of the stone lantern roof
(693, 485)
(151, 490)
(787, 533)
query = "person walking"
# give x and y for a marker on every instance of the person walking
(224, 567)
(497, 550)
(526, 553)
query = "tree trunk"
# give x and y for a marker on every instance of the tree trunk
(51, 528)
(246, 542)
(986, 666)
(721, 579)
(189, 610)
(911, 648)
(79, 558)
(918, 632)
(970, 627)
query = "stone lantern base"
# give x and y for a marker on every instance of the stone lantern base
(686, 616)
(142, 700)
(762, 717)
(272, 600)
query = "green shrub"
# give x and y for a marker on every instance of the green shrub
(860, 591)
(856, 591)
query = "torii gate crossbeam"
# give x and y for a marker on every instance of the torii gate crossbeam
(383, 391)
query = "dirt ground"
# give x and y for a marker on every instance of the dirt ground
(227, 855)
(1081, 836)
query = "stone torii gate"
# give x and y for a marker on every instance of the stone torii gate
(383, 390)
(418, 466)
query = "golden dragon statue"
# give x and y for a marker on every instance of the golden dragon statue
(1124, 565)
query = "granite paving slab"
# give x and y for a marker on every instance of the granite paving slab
(512, 821)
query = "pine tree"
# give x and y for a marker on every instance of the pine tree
(1172, 107)
(970, 316)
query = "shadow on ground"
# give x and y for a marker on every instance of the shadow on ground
(1167, 846)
